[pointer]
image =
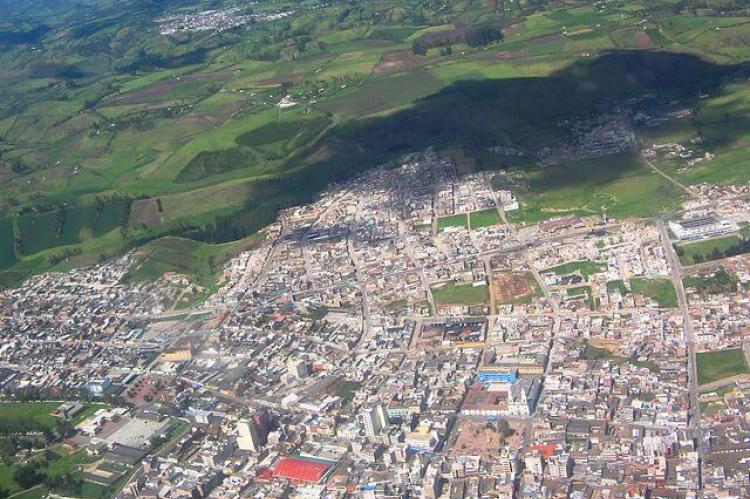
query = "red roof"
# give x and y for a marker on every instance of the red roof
(301, 470)
(546, 450)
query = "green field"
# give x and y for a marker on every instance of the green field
(460, 294)
(715, 366)
(720, 282)
(620, 186)
(37, 414)
(7, 244)
(710, 249)
(661, 290)
(586, 268)
(453, 221)
(198, 261)
(485, 218)
(70, 225)
(617, 285)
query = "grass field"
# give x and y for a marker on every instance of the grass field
(715, 366)
(36, 412)
(39, 413)
(710, 249)
(453, 221)
(661, 290)
(198, 261)
(7, 244)
(586, 268)
(485, 218)
(460, 294)
(620, 186)
(720, 282)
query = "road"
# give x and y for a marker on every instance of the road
(689, 336)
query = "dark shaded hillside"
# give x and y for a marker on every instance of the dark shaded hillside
(531, 113)
(527, 111)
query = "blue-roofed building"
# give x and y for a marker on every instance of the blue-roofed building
(488, 376)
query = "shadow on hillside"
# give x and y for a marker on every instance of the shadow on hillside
(531, 113)
(527, 112)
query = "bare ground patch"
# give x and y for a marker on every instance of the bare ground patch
(642, 40)
(146, 212)
(396, 61)
(512, 286)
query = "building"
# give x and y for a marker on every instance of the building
(298, 368)
(374, 420)
(489, 375)
(98, 387)
(696, 228)
(248, 436)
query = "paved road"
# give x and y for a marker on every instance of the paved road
(689, 335)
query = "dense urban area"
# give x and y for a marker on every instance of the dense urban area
(398, 337)
(414, 249)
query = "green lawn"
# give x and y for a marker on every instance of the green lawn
(714, 366)
(22, 412)
(453, 221)
(485, 218)
(460, 294)
(661, 290)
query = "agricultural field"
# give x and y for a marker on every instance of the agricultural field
(190, 126)
(460, 294)
(715, 366)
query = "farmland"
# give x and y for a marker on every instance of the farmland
(186, 119)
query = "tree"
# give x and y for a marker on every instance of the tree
(28, 475)
(418, 47)
(484, 34)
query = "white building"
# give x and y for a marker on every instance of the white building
(248, 438)
(696, 228)
(374, 420)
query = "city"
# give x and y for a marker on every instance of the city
(399, 337)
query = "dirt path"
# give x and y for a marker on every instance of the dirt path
(689, 190)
